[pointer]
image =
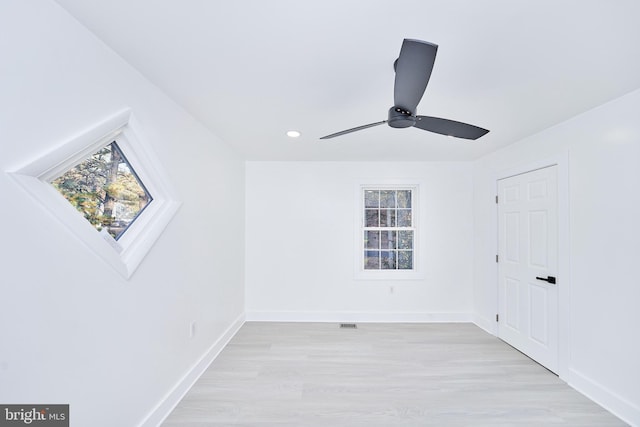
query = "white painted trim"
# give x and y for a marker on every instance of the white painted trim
(606, 398)
(163, 409)
(561, 160)
(487, 324)
(357, 316)
(126, 254)
(83, 144)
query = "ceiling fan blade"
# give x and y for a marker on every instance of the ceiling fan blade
(449, 127)
(344, 132)
(413, 70)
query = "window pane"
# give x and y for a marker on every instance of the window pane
(405, 239)
(388, 229)
(371, 218)
(388, 260)
(405, 260)
(388, 240)
(371, 260)
(105, 189)
(404, 198)
(371, 198)
(404, 217)
(388, 199)
(387, 217)
(372, 239)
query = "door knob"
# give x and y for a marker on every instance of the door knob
(549, 279)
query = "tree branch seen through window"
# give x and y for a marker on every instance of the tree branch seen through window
(106, 190)
(388, 229)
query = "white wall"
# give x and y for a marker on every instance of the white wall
(600, 307)
(300, 240)
(72, 330)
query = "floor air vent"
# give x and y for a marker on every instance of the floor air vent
(348, 325)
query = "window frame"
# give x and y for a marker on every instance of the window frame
(388, 274)
(125, 254)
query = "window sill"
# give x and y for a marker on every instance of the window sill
(389, 275)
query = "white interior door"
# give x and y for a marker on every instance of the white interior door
(528, 264)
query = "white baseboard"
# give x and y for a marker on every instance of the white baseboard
(617, 405)
(356, 316)
(485, 323)
(171, 400)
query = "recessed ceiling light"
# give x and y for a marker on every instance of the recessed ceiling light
(293, 134)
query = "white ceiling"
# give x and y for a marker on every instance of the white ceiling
(250, 70)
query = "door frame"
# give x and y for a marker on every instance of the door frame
(561, 160)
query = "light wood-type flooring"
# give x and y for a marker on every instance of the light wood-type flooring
(379, 375)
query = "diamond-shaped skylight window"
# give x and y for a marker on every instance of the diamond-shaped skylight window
(106, 190)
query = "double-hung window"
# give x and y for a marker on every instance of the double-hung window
(388, 229)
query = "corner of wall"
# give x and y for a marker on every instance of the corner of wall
(608, 399)
(164, 408)
(485, 323)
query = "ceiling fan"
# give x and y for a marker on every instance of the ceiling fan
(413, 69)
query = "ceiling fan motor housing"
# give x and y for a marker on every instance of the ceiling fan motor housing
(400, 118)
